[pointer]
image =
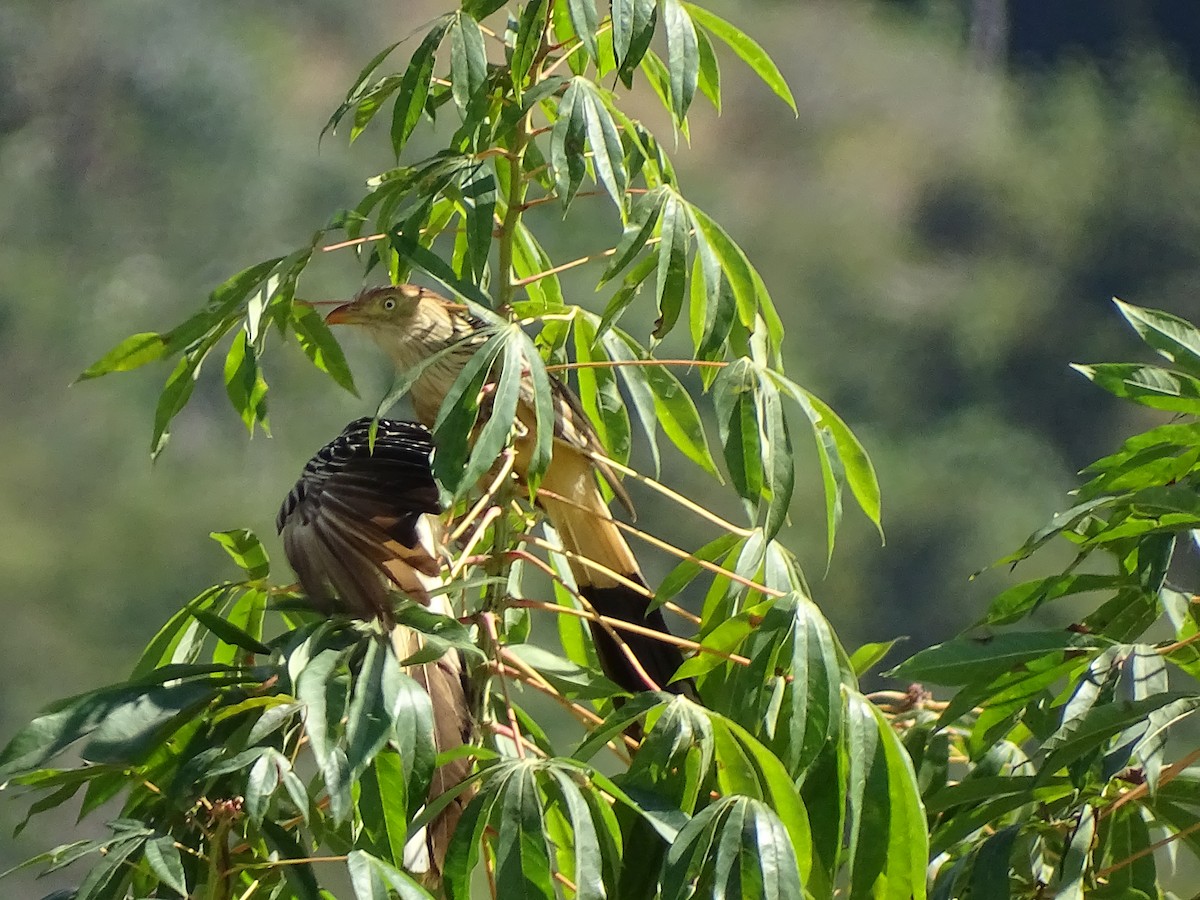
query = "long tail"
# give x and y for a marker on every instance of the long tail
(443, 680)
(586, 529)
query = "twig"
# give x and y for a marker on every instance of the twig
(1147, 850)
(588, 563)
(554, 270)
(667, 492)
(674, 551)
(505, 468)
(622, 625)
(629, 655)
(1168, 774)
(1171, 648)
(535, 681)
(489, 625)
(618, 363)
(464, 558)
(505, 731)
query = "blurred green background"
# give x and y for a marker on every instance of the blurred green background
(966, 186)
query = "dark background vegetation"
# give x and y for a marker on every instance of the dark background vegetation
(942, 228)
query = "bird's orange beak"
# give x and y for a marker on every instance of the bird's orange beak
(342, 315)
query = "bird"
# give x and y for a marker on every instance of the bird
(361, 521)
(416, 326)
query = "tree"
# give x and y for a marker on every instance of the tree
(297, 745)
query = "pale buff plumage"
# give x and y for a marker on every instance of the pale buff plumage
(410, 324)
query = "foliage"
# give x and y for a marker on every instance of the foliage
(299, 741)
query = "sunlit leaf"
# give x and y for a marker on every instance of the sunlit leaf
(134, 351)
(745, 47)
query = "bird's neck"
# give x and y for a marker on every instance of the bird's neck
(433, 329)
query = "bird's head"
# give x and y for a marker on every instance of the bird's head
(406, 320)
(388, 307)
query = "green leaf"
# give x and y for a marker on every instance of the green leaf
(178, 390)
(583, 20)
(608, 156)
(479, 198)
(1175, 338)
(468, 60)
(1074, 866)
(228, 632)
(966, 659)
(1016, 602)
(709, 70)
(683, 56)
(1148, 385)
(374, 879)
(642, 222)
(132, 728)
(522, 860)
(411, 251)
(245, 549)
(888, 841)
(163, 648)
(320, 346)
(600, 394)
(743, 278)
(735, 401)
(570, 679)
(750, 52)
(164, 860)
(529, 39)
(676, 413)
(1099, 723)
(358, 88)
(134, 351)
(633, 27)
(371, 101)
(300, 876)
(414, 90)
(737, 847)
(672, 263)
(866, 657)
(989, 874)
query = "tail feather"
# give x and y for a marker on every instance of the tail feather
(586, 528)
(444, 681)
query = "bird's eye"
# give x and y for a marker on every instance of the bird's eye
(389, 304)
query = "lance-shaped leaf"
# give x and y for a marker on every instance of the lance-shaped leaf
(479, 198)
(584, 20)
(887, 837)
(131, 353)
(737, 847)
(468, 60)
(320, 346)
(675, 241)
(512, 807)
(358, 88)
(683, 56)
(528, 40)
(966, 659)
(633, 27)
(1175, 338)
(745, 47)
(414, 90)
(599, 391)
(1148, 385)
(642, 222)
(374, 879)
(567, 143)
(709, 70)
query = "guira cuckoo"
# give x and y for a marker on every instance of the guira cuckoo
(412, 323)
(359, 521)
